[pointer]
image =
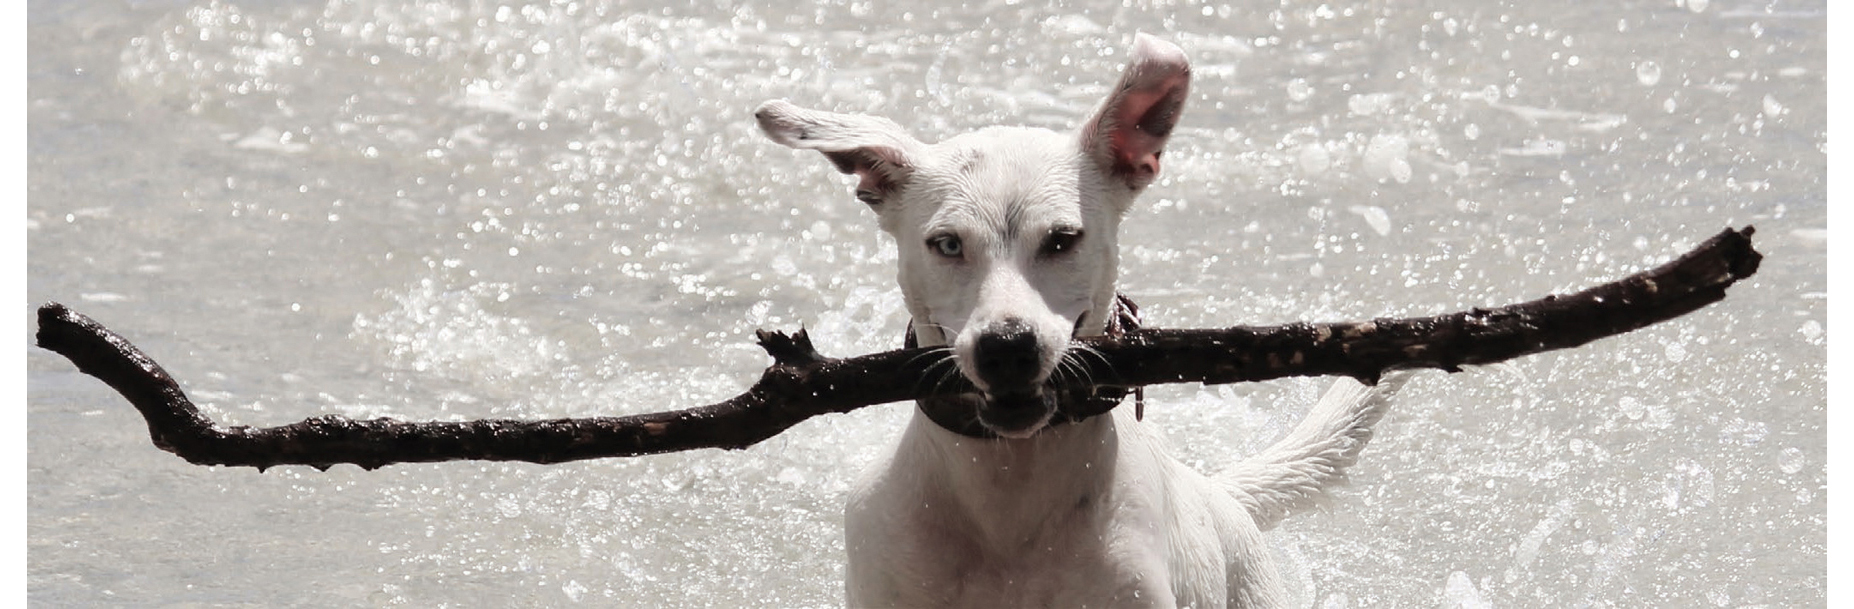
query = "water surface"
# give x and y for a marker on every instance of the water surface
(455, 209)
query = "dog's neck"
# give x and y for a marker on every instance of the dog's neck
(1014, 493)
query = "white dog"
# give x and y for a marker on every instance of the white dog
(1008, 241)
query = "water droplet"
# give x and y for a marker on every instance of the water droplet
(1375, 216)
(1675, 352)
(1648, 72)
(1771, 106)
(1791, 460)
(1631, 408)
(1299, 90)
(1698, 5)
(1387, 157)
(1368, 104)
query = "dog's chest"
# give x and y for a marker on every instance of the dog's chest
(1012, 528)
(1070, 561)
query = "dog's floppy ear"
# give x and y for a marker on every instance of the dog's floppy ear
(874, 148)
(1127, 135)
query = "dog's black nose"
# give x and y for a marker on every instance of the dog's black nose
(1007, 356)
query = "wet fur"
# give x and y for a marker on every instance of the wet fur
(1008, 244)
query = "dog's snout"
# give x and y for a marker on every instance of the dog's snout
(1007, 355)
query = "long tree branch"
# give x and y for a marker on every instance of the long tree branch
(801, 383)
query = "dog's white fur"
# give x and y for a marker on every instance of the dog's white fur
(1008, 250)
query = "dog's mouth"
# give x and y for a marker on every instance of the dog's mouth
(1016, 415)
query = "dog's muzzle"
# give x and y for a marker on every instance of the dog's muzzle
(1015, 403)
(1008, 358)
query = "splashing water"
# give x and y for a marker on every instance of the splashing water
(454, 209)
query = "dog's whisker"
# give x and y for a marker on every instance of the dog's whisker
(950, 374)
(940, 356)
(1076, 358)
(1067, 372)
(1085, 354)
(944, 372)
(1080, 350)
(945, 353)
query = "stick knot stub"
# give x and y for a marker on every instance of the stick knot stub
(789, 349)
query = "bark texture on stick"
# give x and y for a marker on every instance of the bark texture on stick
(801, 383)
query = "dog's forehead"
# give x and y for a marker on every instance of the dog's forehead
(1000, 151)
(1004, 176)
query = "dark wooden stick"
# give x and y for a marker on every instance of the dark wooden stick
(801, 383)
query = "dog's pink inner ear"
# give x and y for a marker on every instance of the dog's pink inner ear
(1141, 123)
(1128, 134)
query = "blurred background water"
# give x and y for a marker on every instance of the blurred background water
(460, 209)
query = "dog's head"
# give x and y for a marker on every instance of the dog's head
(1008, 235)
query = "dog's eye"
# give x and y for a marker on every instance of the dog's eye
(1060, 241)
(946, 245)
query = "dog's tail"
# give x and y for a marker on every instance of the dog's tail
(1295, 472)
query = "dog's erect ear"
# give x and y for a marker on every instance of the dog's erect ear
(874, 148)
(1127, 135)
